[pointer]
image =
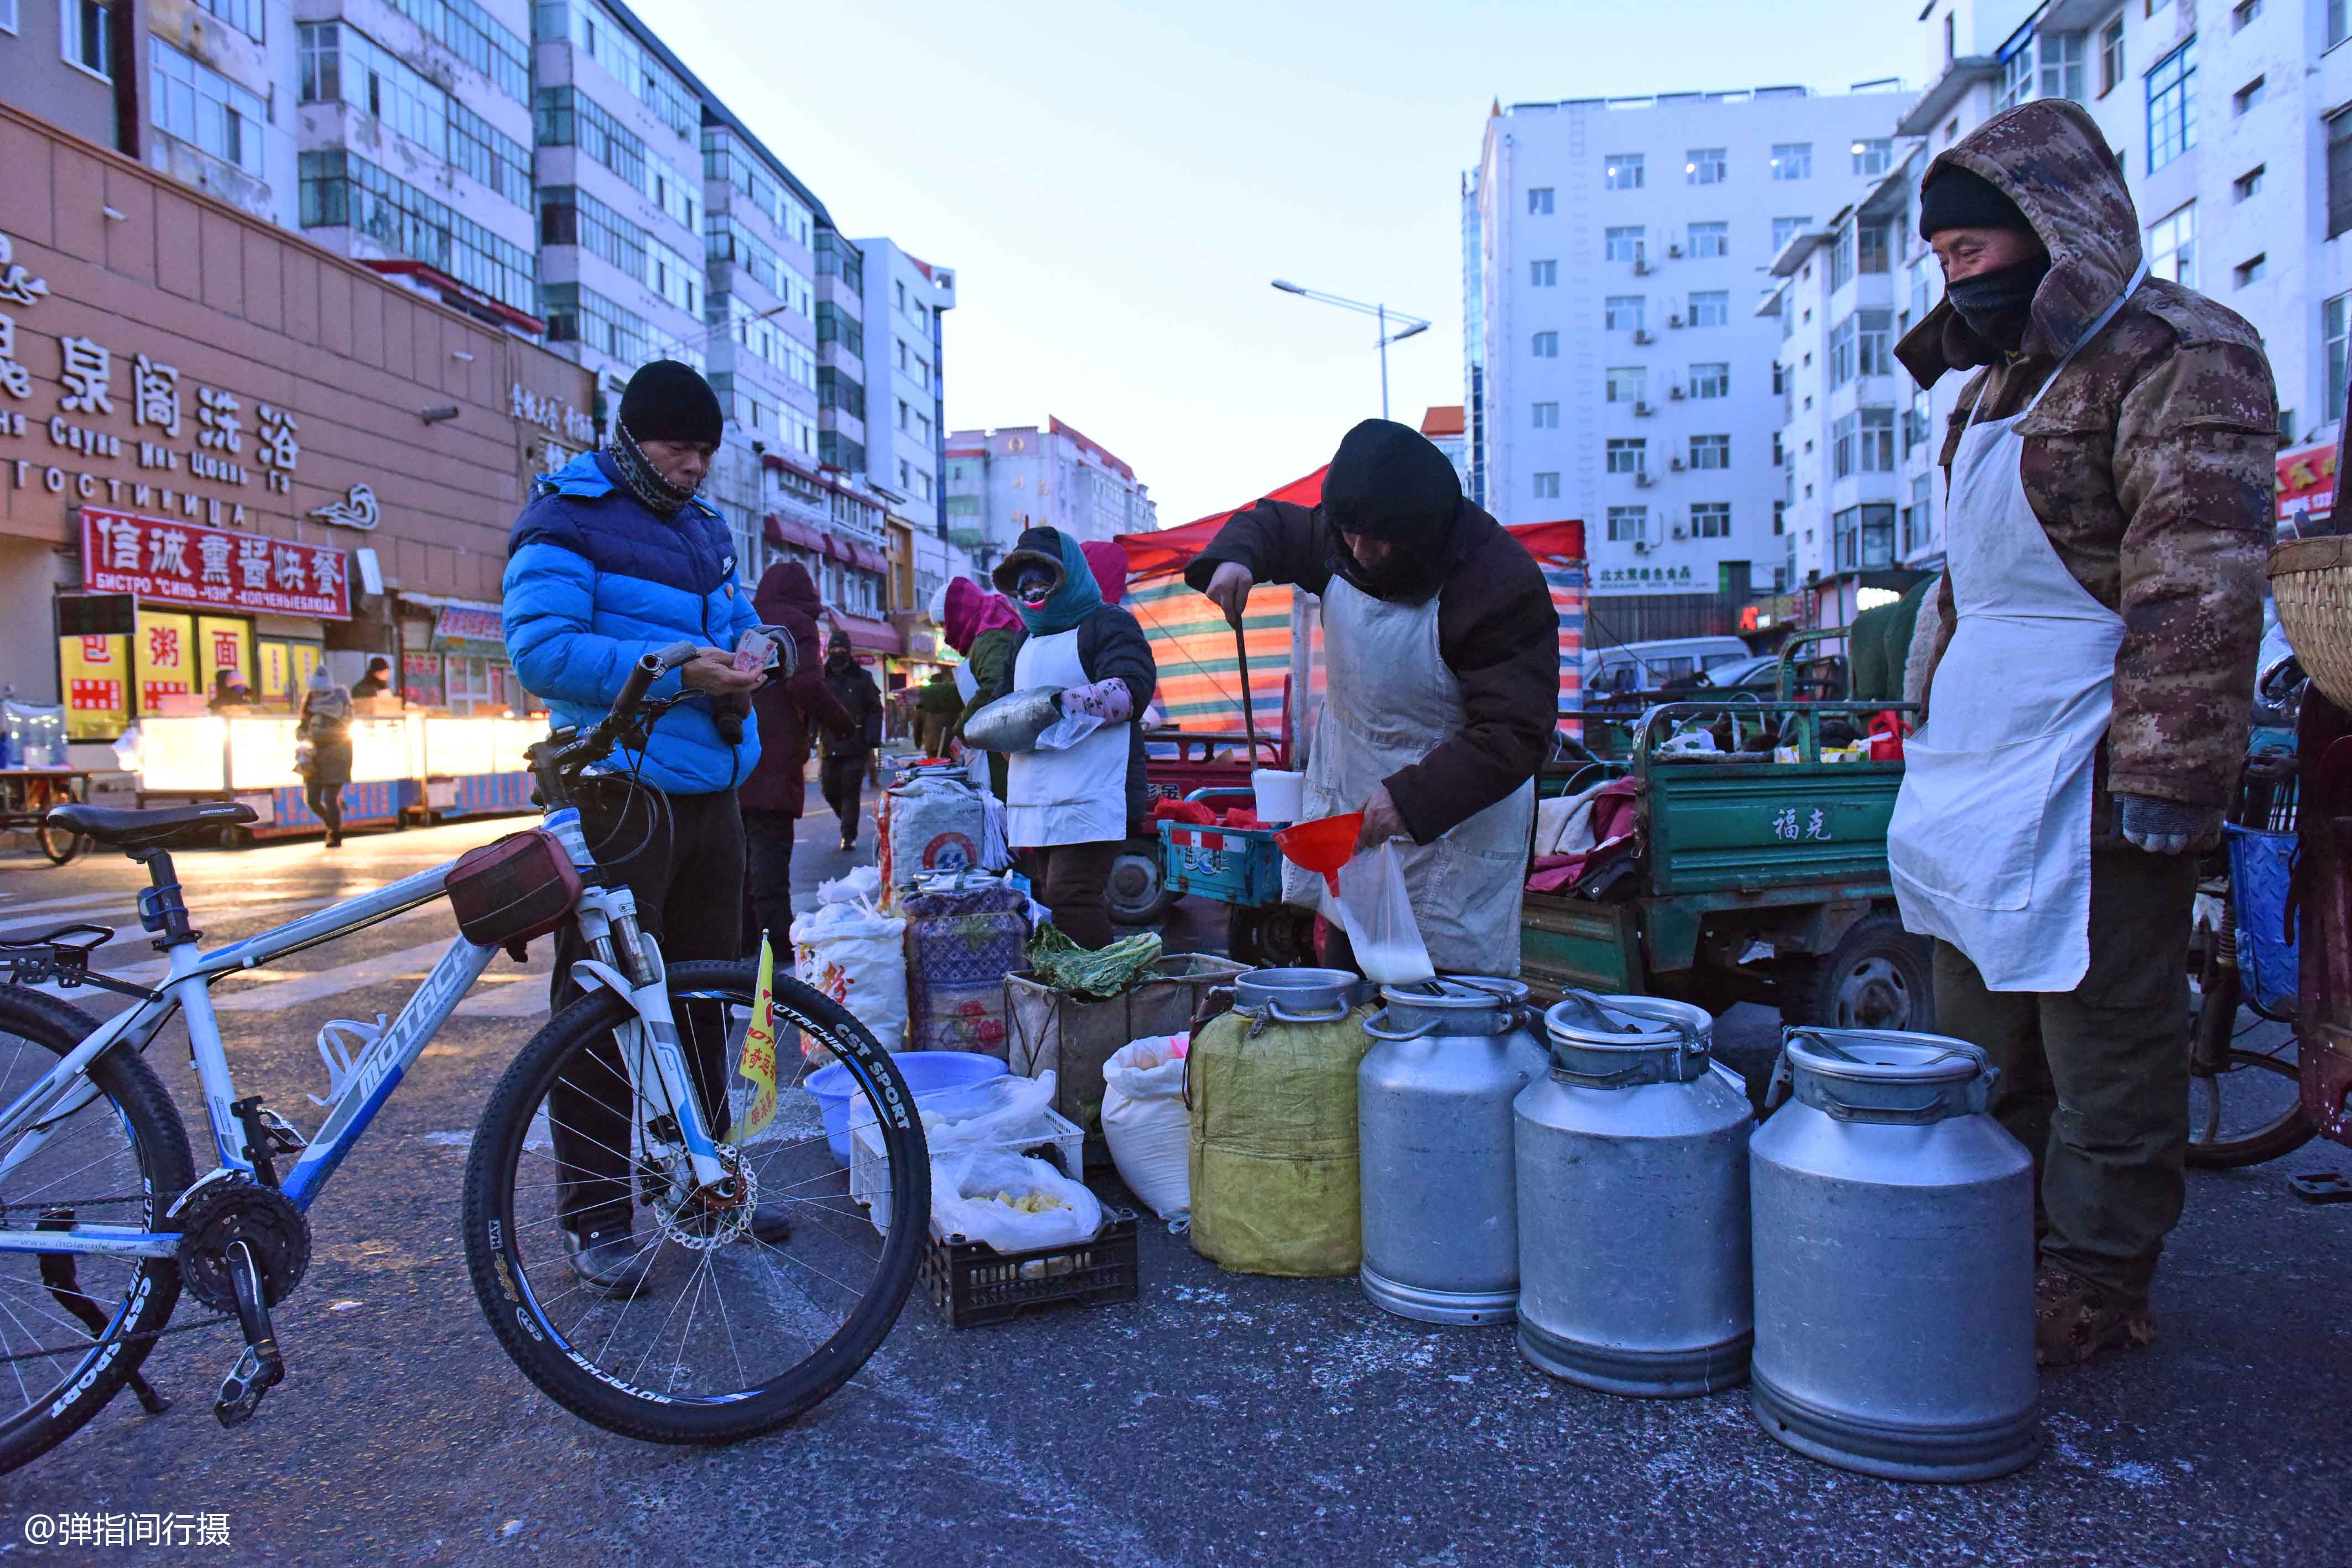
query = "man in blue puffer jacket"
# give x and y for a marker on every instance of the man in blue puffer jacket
(613, 557)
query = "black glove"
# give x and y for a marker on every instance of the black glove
(2165, 827)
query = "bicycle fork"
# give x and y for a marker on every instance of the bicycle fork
(670, 1111)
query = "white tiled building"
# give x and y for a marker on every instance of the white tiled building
(906, 303)
(1623, 376)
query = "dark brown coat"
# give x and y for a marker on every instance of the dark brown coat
(1497, 630)
(2149, 463)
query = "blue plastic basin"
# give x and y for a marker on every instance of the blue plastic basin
(925, 1072)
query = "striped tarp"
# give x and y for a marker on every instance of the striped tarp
(1199, 677)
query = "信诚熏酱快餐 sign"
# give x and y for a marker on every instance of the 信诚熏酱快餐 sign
(169, 561)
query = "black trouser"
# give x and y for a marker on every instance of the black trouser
(842, 776)
(768, 883)
(330, 769)
(684, 866)
(2094, 1081)
(1070, 879)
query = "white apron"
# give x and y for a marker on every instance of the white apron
(1389, 702)
(1991, 840)
(1074, 796)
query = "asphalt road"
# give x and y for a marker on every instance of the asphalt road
(1221, 1420)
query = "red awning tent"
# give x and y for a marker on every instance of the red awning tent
(1199, 674)
(1168, 551)
(867, 635)
(849, 552)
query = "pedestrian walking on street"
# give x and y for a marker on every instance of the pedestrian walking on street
(326, 724)
(2111, 480)
(850, 740)
(1071, 802)
(790, 711)
(615, 555)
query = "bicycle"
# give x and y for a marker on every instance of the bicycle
(2244, 1106)
(102, 1217)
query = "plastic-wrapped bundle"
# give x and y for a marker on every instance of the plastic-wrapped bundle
(965, 934)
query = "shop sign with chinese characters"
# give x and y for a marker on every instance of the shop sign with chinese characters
(179, 430)
(2306, 485)
(165, 561)
(557, 419)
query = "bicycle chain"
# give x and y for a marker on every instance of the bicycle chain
(216, 1321)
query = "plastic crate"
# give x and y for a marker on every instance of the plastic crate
(972, 1283)
(1230, 865)
(1062, 1146)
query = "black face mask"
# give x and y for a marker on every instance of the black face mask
(1999, 305)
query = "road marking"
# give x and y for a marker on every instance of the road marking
(320, 983)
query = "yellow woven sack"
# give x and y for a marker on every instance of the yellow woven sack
(1274, 1163)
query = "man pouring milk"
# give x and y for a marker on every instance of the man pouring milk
(1441, 659)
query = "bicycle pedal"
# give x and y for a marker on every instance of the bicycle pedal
(259, 1369)
(283, 1133)
(2321, 1186)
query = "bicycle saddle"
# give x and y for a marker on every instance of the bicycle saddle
(137, 830)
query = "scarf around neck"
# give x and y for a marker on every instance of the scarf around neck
(1078, 596)
(641, 478)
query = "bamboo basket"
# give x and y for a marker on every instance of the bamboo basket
(2312, 581)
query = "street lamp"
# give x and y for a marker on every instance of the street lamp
(1412, 324)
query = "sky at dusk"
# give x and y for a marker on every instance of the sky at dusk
(1116, 185)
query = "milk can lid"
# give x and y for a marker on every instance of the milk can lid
(1451, 1005)
(1883, 1075)
(1623, 1042)
(1467, 993)
(1884, 1055)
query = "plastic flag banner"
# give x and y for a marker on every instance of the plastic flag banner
(758, 1063)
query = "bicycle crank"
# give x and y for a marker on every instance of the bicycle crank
(243, 1249)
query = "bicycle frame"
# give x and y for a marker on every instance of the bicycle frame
(650, 1043)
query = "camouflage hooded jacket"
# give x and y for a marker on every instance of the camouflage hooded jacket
(2149, 463)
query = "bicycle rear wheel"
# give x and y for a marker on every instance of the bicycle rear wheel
(119, 1157)
(727, 1335)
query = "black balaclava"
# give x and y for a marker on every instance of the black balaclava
(838, 658)
(1998, 305)
(665, 401)
(1387, 482)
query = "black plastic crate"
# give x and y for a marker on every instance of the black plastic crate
(972, 1283)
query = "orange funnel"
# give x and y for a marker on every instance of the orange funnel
(1323, 845)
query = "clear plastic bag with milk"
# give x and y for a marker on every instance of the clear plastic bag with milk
(1377, 912)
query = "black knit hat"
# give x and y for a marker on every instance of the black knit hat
(1956, 198)
(668, 400)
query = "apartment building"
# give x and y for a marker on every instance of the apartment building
(1002, 481)
(1616, 381)
(1852, 505)
(200, 91)
(905, 302)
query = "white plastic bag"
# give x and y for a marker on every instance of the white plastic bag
(964, 1201)
(993, 1113)
(857, 956)
(862, 885)
(933, 823)
(1377, 911)
(1145, 1124)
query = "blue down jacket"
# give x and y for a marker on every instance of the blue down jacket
(593, 583)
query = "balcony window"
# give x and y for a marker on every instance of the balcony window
(206, 109)
(1864, 537)
(1873, 155)
(2172, 106)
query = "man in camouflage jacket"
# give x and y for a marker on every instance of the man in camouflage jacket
(2148, 464)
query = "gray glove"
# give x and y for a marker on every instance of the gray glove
(2165, 827)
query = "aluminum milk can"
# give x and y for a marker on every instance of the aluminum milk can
(1434, 1131)
(1633, 1177)
(1894, 1260)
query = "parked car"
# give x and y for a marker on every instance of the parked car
(1649, 667)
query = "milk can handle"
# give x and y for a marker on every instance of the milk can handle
(1275, 1010)
(1371, 1023)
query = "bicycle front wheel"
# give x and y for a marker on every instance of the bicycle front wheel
(75, 1326)
(699, 1319)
